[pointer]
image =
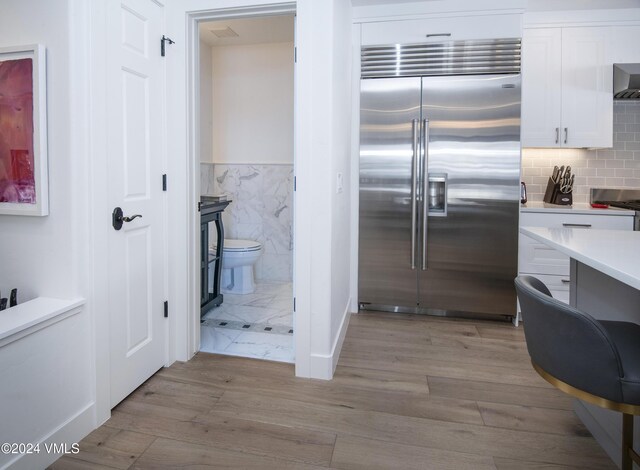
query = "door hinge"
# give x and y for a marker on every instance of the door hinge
(166, 309)
(162, 43)
(199, 204)
(164, 182)
(294, 304)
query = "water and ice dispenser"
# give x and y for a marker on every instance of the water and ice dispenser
(437, 194)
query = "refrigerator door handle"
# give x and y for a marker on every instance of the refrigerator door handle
(425, 189)
(414, 190)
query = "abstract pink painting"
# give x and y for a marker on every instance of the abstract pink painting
(17, 175)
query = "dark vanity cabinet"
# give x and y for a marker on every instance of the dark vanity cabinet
(210, 212)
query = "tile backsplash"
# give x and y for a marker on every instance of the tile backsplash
(262, 210)
(618, 167)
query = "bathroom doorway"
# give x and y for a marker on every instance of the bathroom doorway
(246, 150)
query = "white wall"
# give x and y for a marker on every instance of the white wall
(206, 99)
(341, 155)
(252, 103)
(37, 252)
(48, 256)
(329, 154)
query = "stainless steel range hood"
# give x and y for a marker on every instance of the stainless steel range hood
(626, 81)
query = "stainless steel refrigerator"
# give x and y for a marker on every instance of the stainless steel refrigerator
(440, 179)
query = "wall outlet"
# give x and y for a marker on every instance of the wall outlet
(339, 183)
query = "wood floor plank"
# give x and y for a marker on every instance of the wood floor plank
(444, 368)
(354, 453)
(294, 443)
(509, 464)
(170, 454)
(376, 380)
(528, 418)
(507, 347)
(67, 462)
(492, 392)
(382, 348)
(160, 391)
(112, 447)
(478, 439)
(501, 332)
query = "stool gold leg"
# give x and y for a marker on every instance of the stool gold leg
(627, 441)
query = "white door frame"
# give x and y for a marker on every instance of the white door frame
(301, 340)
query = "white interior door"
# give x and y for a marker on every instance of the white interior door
(137, 254)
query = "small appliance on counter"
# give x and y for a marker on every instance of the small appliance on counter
(560, 187)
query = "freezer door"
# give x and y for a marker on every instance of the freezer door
(473, 140)
(389, 125)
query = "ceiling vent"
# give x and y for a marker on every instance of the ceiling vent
(224, 33)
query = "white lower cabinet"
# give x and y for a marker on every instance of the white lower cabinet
(549, 265)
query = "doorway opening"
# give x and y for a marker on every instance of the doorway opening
(245, 126)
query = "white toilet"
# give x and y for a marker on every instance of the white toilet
(238, 258)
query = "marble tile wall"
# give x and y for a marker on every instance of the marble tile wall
(618, 167)
(262, 210)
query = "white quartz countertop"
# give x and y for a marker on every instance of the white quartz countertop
(538, 206)
(615, 253)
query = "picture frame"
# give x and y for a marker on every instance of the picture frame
(24, 186)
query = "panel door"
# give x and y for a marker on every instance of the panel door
(473, 140)
(137, 286)
(587, 98)
(541, 87)
(389, 114)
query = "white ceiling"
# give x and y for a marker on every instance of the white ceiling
(532, 5)
(261, 30)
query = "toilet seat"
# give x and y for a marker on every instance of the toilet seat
(235, 246)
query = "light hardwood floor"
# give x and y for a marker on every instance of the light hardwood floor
(410, 392)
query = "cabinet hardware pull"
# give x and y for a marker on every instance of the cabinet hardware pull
(577, 225)
(414, 189)
(566, 134)
(435, 35)
(565, 281)
(425, 189)
(557, 135)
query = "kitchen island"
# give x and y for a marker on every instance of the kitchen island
(605, 282)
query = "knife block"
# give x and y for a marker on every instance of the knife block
(553, 195)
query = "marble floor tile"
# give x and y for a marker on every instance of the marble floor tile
(263, 346)
(270, 304)
(216, 339)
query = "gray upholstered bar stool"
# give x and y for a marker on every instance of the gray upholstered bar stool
(595, 361)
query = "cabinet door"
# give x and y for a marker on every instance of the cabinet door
(441, 29)
(587, 98)
(541, 87)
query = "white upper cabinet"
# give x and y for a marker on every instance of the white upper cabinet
(587, 87)
(567, 87)
(541, 87)
(442, 29)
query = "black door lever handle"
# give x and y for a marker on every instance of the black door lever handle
(118, 218)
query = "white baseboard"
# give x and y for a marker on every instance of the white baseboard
(322, 366)
(69, 432)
